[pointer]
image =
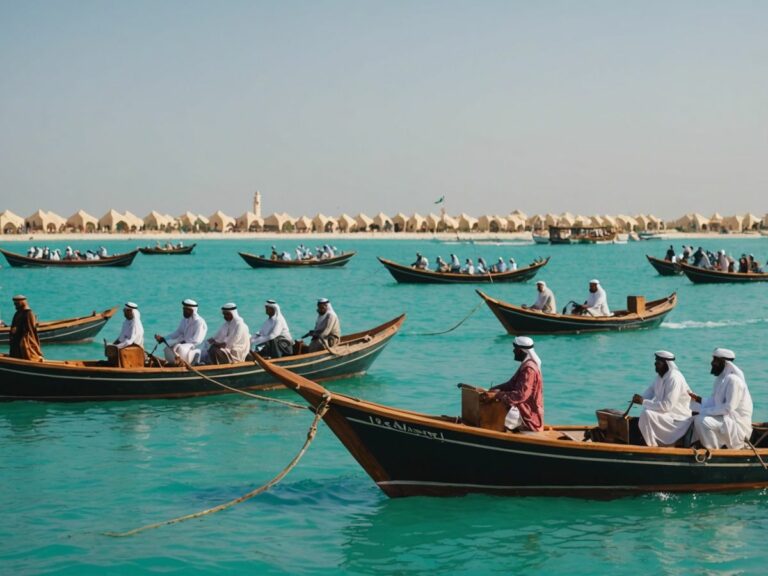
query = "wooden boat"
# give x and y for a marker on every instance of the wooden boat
(78, 380)
(176, 250)
(519, 320)
(706, 276)
(540, 238)
(665, 267)
(20, 261)
(650, 235)
(413, 454)
(67, 331)
(581, 235)
(262, 262)
(408, 275)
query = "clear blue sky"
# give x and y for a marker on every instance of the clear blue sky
(588, 106)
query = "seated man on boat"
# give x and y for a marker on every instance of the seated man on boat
(273, 340)
(421, 262)
(442, 265)
(500, 265)
(482, 267)
(701, 259)
(725, 418)
(132, 331)
(469, 267)
(670, 256)
(545, 301)
(666, 415)
(523, 393)
(455, 264)
(183, 343)
(596, 303)
(327, 330)
(232, 342)
(24, 341)
(512, 264)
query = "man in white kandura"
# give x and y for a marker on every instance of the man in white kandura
(666, 415)
(184, 342)
(327, 330)
(545, 300)
(232, 341)
(273, 340)
(132, 332)
(596, 303)
(725, 418)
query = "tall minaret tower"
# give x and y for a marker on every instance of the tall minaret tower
(257, 204)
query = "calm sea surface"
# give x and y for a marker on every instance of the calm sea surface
(69, 473)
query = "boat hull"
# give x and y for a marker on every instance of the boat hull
(665, 267)
(168, 252)
(67, 331)
(20, 261)
(517, 320)
(411, 454)
(258, 262)
(703, 276)
(408, 275)
(55, 381)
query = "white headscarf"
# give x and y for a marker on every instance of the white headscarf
(526, 345)
(272, 327)
(132, 331)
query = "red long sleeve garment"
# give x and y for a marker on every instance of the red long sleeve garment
(525, 390)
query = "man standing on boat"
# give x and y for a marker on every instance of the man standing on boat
(596, 303)
(132, 332)
(666, 414)
(524, 392)
(184, 341)
(545, 300)
(232, 342)
(24, 342)
(327, 330)
(273, 340)
(725, 418)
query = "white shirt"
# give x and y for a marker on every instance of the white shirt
(273, 327)
(132, 332)
(235, 337)
(732, 401)
(597, 303)
(191, 330)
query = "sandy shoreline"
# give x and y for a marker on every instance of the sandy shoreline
(151, 237)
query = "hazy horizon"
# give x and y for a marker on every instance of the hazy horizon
(592, 107)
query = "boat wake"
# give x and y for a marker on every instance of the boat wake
(686, 324)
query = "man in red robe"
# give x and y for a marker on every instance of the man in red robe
(523, 393)
(24, 342)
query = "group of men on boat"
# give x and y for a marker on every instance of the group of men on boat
(302, 252)
(672, 414)
(232, 342)
(456, 267)
(596, 303)
(45, 253)
(719, 260)
(168, 245)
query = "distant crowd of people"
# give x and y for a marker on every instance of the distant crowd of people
(468, 267)
(303, 252)
(45, 253)
(714, 260)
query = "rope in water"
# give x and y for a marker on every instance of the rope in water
(475, 309)
(319, 413)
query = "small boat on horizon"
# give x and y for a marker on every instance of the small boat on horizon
(173, 250)
(117, 260)
(409, 275)
(265, 262)
(581, 235)
(699, 275)
(67, 331)
(524, 321)
(408, 453)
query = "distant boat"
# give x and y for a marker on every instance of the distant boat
(118, 260)
(409, 275)
(542, 238)
(174, 250)
(264, 262)
(519, 320)
(699, 275)
(646, 235)
(665, 267)
(67, 331)
(581, 235)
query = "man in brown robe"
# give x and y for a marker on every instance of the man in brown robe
(24, 342)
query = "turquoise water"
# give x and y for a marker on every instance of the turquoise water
(72, 472)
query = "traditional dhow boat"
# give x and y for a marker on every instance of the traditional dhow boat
(409, 275)
(67, 331)
(581, 235)
(77, 380)
(174, 250)
(706, 276)
(639, 314)
(665, 267)
(264, 262)
(21, 261)
(412, 454)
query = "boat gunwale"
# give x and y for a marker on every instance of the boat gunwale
(448, 277)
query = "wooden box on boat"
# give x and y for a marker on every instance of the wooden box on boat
(613, 425)
(128, 357)
(636, 304)
(474, 412)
